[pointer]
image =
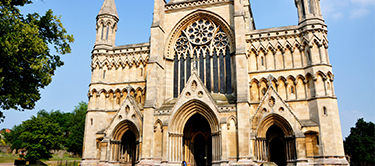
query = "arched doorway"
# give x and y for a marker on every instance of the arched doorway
(125, 144)
(128, 148)
(191, 119)
(275, 141)
(276, 145)
(197, 141)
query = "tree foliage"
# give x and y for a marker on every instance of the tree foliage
(74, 142)
(47, 131)
(26, 62)
(13, 137)
(39, 136)
(360, 144)
(61, 118)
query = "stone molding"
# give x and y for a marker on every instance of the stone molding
(194, 3)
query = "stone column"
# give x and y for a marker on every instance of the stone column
(224, 145)
(165, 145)
(301, 151)
(175, 149)
(216, 148)
(147, 136)
(323, 57)
(103, 152)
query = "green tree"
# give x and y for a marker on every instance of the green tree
(26, 62)
(360, 144)
(39, 136)
(61, 118)
(13, 137)
(77, 128)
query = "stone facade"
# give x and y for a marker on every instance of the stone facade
(210, 89)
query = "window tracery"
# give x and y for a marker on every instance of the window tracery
(204, 47)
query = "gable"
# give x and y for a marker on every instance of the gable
(194, 96)
(273, 105)
(129, 111)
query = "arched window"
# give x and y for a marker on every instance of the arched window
(102, 26)
(92, 121)
(309, 6)
(104, 74)
(203, 47)
(263, 91)
(107, 31)
(308, 56)
(139, 99)
(325, 111)
(262, 61)
(292, 89)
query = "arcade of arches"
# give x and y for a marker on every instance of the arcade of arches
(208, 88)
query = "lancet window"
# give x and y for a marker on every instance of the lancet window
(203, 47)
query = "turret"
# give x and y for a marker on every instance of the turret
(309, 11)
(106, 25)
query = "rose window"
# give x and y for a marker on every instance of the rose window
(181, 44)
(203, 48)
(200, 32)
(221, 40)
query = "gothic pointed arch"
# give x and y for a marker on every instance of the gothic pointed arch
(124, 144)
(274, 119)
(275, 140)
(202, 41)
(190, 19)
(273, 104)
(189, 109)
(123, 127)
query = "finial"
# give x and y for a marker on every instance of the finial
(109, 8)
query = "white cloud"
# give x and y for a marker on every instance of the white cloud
(363, 2)
(359, 12)
(337, 15)
(333, 8)
(338, 9)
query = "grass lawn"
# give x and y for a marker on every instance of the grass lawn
(66, 157)
(10, 159)
(7, 158)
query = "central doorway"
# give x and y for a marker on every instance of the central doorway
(128, 149)
(276, 145)
(197, 141)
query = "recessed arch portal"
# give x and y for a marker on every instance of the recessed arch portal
(274, 119)
(124, 145)
(197, 141)
(190, 108)
(275, 140)
(182, 129)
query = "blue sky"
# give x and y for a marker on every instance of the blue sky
(351, 33)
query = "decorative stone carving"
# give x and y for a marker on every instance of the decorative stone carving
(200, 94)
(200, 32)
(188, 94)
(271, 102)
(194, 86)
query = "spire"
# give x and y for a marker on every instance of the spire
(106, 25)
(109, 7)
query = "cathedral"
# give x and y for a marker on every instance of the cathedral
(211, 89)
